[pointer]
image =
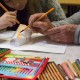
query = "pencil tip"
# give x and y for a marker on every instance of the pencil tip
(22, 31)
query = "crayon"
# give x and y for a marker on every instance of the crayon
(76, 68)
(67, 70)
(71, 68)
(62, 72)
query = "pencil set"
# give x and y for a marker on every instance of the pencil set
(4, 51)
(21, 67)
(63, 71)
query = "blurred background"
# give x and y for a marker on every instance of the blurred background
(70, 6)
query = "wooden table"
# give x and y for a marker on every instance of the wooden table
(71, 2)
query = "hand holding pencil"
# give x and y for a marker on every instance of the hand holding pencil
(39, 22)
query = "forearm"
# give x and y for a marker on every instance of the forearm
(74, 19)
(77, 36)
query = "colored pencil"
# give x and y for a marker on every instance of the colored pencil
(62, 72)
(57, 71)
(71, 68)
(50, 68)
(78, 63)
(54, 71)
(67, 70)
(76, 68)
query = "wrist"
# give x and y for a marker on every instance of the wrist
(77, 35)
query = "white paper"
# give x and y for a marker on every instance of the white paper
(38, 43)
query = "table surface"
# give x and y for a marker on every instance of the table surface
(71, 2)
(72, 53)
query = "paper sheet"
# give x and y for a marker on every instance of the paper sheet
(37, 43)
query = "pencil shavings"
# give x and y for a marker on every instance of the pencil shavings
(21, 38)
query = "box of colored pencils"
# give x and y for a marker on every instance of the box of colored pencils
(4, 51)
(21, 66)
(63, 71)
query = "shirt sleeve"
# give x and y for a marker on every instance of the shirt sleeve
(74, 19)
(58, 13)
(77, 35)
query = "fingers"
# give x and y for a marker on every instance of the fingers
(52, 31)
(34, 17)
(11, 18)
(11, 13)
(13, 21)
(40, 25)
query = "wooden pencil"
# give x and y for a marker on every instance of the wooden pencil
(76, 68)
(48, 74)
(62, 72)
(7, 11)
(40, 18)
(54, 72)
(55, 66)
(44, 75)
(71, 68)
(40, 77)
(51, 71)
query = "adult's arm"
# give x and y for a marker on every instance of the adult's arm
(74, 19)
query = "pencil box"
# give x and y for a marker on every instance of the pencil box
(22, 68)
(4, 51)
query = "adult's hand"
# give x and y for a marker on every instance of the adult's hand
(8, 19)
(40, 26)
(62, 34)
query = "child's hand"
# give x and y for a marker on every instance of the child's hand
(8, 19)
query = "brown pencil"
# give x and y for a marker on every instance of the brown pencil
(40, 18)
(7, 11)
(62, 72)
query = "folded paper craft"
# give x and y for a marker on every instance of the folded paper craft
(21, 38)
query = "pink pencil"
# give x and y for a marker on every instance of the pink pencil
(67, 70)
